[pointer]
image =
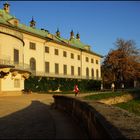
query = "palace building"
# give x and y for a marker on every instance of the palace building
(27, 50)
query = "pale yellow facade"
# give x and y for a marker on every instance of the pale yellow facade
(8, 43)
(41, 57)
(12, 83)
(29, 50)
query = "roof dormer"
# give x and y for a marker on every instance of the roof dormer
(14, 21)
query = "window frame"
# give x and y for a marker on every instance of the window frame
(79, 71)
(16, 83)
(16, 56)
(72, 55)
(64, 54)
(72, 70)
(32, 45)
(56, 51)
(47, 49)
(78, 57)
(47, 67)
(87, 59)
(65, 69)
(92, 60)
(97, 61)
(33, 64)
(56, 68)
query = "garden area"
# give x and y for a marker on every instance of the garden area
(50, 85)
(132, 106)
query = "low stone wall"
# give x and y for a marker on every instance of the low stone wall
(93, 121)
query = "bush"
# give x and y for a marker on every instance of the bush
(43, 84)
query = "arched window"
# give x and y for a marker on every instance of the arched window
(97, 74)
(92, 73)
(87, 72)
(33, 64)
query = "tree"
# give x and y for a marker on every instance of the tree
(123, 63)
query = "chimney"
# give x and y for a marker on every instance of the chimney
(6, 7)
(32, 23)
(78, 36)
(57, 33)
(71, 34)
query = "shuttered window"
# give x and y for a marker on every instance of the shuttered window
(16, 56)
(56, 68)
(47, 67)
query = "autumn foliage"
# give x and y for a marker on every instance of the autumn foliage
(122, 64)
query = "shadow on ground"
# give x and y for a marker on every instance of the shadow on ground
(39, 121)
(35, 121)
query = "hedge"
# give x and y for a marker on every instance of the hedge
(44, 84)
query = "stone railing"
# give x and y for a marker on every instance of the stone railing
(86, 115)
(61, 75)
(16, 65)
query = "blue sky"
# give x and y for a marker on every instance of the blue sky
(100, 23)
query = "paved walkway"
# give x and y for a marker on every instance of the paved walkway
(31, 116)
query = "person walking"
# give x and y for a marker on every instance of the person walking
(76, 89)
(122, 86)
(113, 86)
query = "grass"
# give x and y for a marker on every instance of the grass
(103, 95)
(132, 106)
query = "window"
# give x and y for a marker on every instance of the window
(16, 83)
(92, 61)
(16, 56)
(72, 70)
(56, 52)
(33, 64)
(87, 59)
(46, 49)
(64, 53)
(78, 57)
(65, 69)
(72, 55)
(56, 68)
(79, 71)
(97, 74)
(32, 46)
(92, 73)
(87, 72)
(97, 62)
(47, 67)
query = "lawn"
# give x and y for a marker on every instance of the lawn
(132, 106)
(103, 95)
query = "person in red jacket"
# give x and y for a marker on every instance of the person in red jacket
(76, 90)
